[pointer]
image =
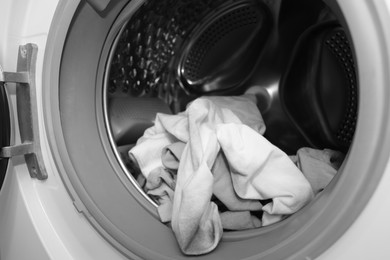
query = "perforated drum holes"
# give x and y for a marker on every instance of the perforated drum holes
(339, 45)
(228, 22)
(142, 61)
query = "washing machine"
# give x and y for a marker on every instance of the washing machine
(82, 79)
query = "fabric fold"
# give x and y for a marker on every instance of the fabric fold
(223, 188)
(262, 171)
(192, 210)
(216, 148)
(319, 166)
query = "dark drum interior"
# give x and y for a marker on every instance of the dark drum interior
(295, 56)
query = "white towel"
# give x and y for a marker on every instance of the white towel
(195, 220)
(223, 189)
(160, 185)
(169, 129)
(207, 124)
(262, 171)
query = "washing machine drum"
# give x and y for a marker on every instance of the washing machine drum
(215, 49)
(145, 57)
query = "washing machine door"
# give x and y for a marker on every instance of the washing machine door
(4, 130)
(79, 53)
(27, 112)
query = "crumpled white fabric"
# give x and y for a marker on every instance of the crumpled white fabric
(262, 171)
(169, 129)
(204, 126)
(318, 166)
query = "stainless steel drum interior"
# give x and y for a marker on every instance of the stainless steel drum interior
(170, 52)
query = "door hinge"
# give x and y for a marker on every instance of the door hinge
(27, 110)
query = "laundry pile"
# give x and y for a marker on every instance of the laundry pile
(209, 168)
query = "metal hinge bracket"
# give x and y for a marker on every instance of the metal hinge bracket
(27, 109)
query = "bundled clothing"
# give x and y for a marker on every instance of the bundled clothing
(213, 156)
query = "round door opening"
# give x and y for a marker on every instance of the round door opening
(171, 60)
(290, 63)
